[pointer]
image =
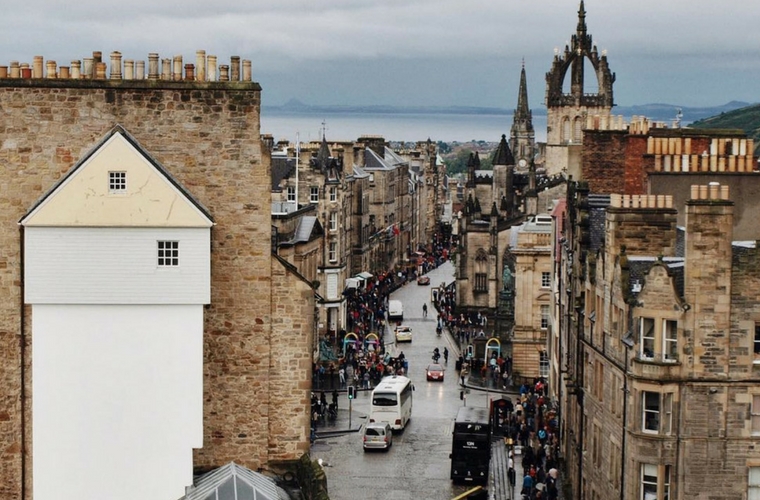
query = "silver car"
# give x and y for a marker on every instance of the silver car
(377, 435)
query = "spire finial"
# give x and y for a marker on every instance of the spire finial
(582, 19)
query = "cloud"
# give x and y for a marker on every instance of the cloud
(472, 41)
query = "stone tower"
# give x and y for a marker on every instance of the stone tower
(522, 136)
(568, 113)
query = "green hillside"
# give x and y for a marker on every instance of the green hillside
(747, 119)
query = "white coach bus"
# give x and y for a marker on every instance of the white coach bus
(392, 402)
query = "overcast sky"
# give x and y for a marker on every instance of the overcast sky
(414, 52)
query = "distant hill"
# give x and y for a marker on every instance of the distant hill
(746, 118)
(668, 112)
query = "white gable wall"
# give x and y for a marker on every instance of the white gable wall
(84, 198)
(118, 394)
(115, 266)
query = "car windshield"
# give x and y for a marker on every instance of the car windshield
(374, 431)
(435, 368)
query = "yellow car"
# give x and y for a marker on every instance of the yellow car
(403, 333)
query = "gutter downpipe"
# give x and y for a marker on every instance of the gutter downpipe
(22, 349)
(625, 425)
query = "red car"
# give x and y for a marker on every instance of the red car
(435, 372)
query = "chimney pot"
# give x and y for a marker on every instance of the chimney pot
(140, 70)
(247, 70)
(37, 67)
(177, 72)
(224, 73)
(76, 70)
(129, 69)
(51, 70)
(166, 69)
(211, 73)
(153, 66)
(87, 68)
(115, 65)
(200, 65)
(235, 68)
(100, 71)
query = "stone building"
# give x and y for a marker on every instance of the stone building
(200, 123)
(504, 248)
(529, 254)
(310, 175)
(658, 347)
(568, 113)
(649, 158)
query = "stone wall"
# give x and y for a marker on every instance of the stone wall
(293, 327)
(206, 134)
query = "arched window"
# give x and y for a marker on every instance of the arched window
(481, 271)
(565, 131)
(577, 129)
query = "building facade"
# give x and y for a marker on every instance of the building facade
(659, 348)
(200, 123)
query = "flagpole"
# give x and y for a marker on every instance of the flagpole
(298, 152)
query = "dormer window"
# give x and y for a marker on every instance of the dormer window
(117, 182)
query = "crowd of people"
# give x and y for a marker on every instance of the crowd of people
(535, 428)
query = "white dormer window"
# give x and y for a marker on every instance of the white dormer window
(291, 193)
(117, 182)
(168, 253)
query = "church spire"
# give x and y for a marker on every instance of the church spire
(582, 20)
(523, 110)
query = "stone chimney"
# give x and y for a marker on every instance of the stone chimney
(708, 277)
(644, 224)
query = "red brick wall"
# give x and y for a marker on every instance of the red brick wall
(603, 161)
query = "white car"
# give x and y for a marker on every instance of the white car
(403, 333)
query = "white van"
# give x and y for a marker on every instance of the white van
(395, 310)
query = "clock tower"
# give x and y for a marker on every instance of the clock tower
(522, 135)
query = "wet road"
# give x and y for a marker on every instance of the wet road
(417, 466)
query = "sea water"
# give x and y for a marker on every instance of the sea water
(406, 127)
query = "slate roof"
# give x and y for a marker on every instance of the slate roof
(503, 155)
(598, 204)
(282, 168)
(307, 226)
(639, 267)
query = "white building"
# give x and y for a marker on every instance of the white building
(116, 272)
